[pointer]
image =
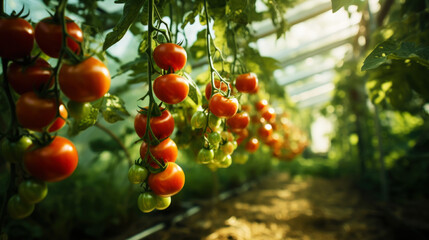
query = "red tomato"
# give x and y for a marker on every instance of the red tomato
(171, 88)
(49, 36)
(261, 104)
(252, 145)
(222, 106)
(165, 151)
(86, 81)
(60, 121)
(168, 182)
(246, 83)
(17, 38)
(255, 90)
(243, 134)
(269, 114)
(25, 78)
(161, 126)
(265, 131)
(170, 56)
(53, 162)
(238, 121)
(34, 112)
(208, 90)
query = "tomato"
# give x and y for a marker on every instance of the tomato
(146, 202)
(252, 145)
(238, 121)
(32, 191)
(34, 112)
(269, 114)
(227, 148)
(219, 155)
(214, 138)
(170, 56)
(161, 126)
(25, 78)
(60, 121)
(14, 151)
(165, 151)
(53, 162)
(86, 81)
(79, 110)
(19, 208)
(222, 106)
(226, 162)
(261, 104)
(243, 134)
(137, 174)
(208, 90)
(162, 202)
(274, 141)
(199, 119)
(171, 88)
(205, 156)
(254, 91)
(227, 136)
(265, 131)
(168, 182)
(17, 38)
(49, 36)
(246, 83)
(214, 121)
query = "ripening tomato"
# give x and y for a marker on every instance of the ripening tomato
(223, 87)
(49, 36)
(162, 126)
(170, 56)
(146, 202)
(252, 145)
(265, 131)
(261, 104)
(171, 88)
(168, 182)
(238, 121)
(86, 81)
(29, 77)
(227, 148)
(222, 106)
(53, 162)
(246, 83)
(32, 191)
(34, 112)
(165, 151)
(60, 121)
(17, 38)
(269, 114)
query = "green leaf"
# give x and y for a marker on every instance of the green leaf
(78, 125)
(194, 92)
(130, 13)
(113, 108)
(337, 4)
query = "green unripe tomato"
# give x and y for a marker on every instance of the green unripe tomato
(198, 120)
(214, 121)
(234, 144)
(214, 138)
(219, 155)
(18, 208)
(146, 202)
(137, 174)
(226, 162)
(205, 156)
(32, 191)
(162, 202)
(78, 110)
(14, 151)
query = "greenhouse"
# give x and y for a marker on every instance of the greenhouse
(212, 120)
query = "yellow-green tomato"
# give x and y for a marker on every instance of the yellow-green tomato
(214, 121)
(147, 202)
(205, 156)
(137, 174)
(14, 151)
(162, 202)
(226, 162)
(32, 191)
(198, 120)
(19, 208)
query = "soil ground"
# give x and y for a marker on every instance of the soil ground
(283, 208)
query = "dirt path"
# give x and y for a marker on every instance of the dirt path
(284, 208)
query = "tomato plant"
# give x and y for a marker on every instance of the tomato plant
(238, 121)
(171, 88)
(29, 77)
(208, 90)
(17, 38)
(168, 182)
(53, 162)
(165, 151)
(48, 33)
(86, 81)
(32, 191)
(162, 126)
(246, 83)
(169, 56)
(222, 106)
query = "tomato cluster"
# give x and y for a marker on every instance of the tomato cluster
(156, 169)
